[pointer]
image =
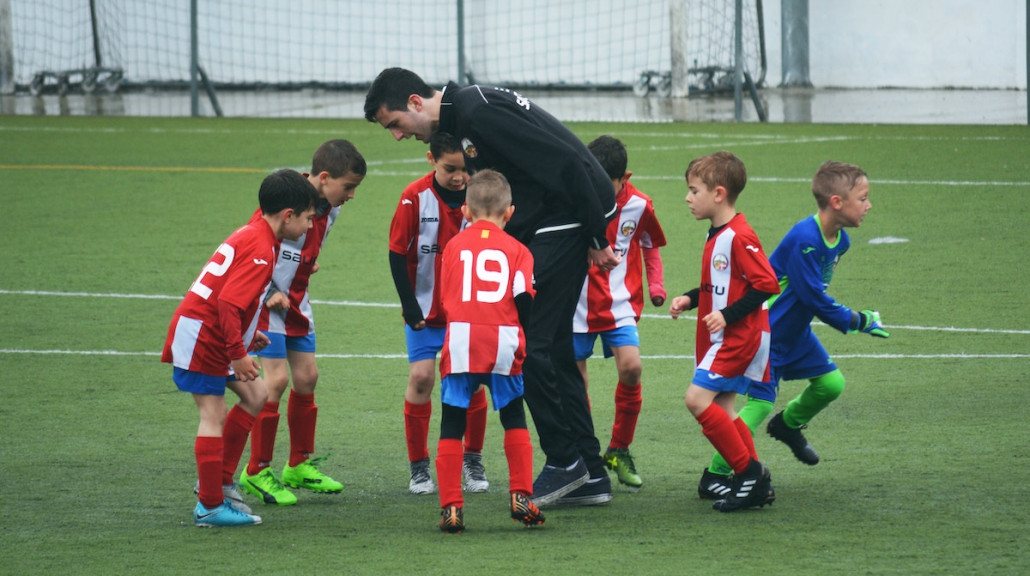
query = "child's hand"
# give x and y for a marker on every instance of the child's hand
(679, 304)
(657, 300)
(278, 301)
(259, 342)
(246, 368)
(714, 321)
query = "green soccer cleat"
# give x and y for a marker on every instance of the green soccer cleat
(266, 486)
(307, 475)
(620, 461)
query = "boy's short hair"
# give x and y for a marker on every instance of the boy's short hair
(284, 189)
(488, 194)
(720, 169)
(338, 158)
(835, 179)
(391, 88)
(441, 143)
(611, 154)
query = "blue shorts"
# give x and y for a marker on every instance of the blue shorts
(280, 343)
(424, 344)
(621, 336)
(457, 389)
(715, 383)
(810, 364)
(197, 383)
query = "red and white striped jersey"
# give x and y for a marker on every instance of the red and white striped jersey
(237, 273)
(292, 275)
(484, 269)
(615, 298)
(421, 227)
(732, 263)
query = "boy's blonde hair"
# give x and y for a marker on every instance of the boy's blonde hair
(720, 169)
(835, 179)
(488, 194)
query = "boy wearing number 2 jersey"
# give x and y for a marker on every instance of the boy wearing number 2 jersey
(213, 328)
(487, 291)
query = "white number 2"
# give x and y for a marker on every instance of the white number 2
(213, 269)
(499, 277)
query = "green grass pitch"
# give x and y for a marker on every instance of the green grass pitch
(106, 222)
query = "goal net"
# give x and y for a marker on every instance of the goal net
(71, 45)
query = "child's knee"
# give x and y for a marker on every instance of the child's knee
(829, 386)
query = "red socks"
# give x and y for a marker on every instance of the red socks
(449, 457)
(238, 424)
(208, 451)
(519, 452)
(475, 422)
(725, 436)
(416, 429)
(627, 408)
(262, 438)
(301, 414)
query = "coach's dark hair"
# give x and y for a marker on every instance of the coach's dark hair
(441, 143)
(611, 154)
(284, 189)
(338, 158)
(392, 88)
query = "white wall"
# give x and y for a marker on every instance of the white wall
(909, 43)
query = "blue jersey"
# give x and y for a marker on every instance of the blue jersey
(804, 263)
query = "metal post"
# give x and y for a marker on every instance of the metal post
(461, 41)
(1028, 62)
(794, 43)
(7, 49)
(194, 62)
(738, 60)
(678, 57)
(97, 59)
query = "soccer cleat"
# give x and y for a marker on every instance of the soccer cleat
(224, 515)
(752, 488)
(232, 494)
(714, 486)
(307, 475)
(620, 461)
(421, 480)
(475, 474)
(555, 482)
(266, 486)
(793, 438)
(595, 491)
(523, 510)
(452, 520)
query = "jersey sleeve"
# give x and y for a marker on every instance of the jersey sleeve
(404, 225)
(804, 275)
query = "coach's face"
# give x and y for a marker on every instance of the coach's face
(412, 121)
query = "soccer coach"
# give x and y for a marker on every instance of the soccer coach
(563, 201)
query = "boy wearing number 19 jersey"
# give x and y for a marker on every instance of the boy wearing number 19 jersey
(486, 292)
(428, 215)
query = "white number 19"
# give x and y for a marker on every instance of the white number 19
(499, 277)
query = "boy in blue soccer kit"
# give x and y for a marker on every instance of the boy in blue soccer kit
(804, 262)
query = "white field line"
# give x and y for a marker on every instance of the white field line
(404, 356)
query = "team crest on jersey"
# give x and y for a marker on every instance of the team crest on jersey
(468, 148)
(628, 227)
(720, 262)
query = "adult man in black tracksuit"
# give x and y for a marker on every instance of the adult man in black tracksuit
(563, 201)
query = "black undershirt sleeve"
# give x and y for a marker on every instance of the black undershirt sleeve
(410, 309)
(746, 305)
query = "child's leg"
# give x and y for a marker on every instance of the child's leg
(752, 414)
(238, 424)
(262, 438)
(418, 408)
(449, 455)
(302, 415)
(720, 430)
(518, 448)
(819, 393)
(475, 422)
(207, 449)
(628, 399)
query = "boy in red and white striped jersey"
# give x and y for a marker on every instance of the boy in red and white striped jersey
(486, 292)
(213, 328)
(732, 344)
(428, 215)
(337, 168)
(610, 306)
